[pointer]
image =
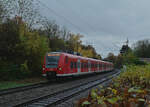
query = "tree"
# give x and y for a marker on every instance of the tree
(50, 29)
(124, 49)
(21, 46)
(75, 42)
(111, 57)
(3, 11)
(129, 58)
(25, 9)
(65, 34)
(142, 48)
(119, 61)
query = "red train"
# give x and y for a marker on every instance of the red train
(59, 64)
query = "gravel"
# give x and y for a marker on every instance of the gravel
(20, 97)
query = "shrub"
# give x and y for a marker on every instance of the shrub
(12, 72)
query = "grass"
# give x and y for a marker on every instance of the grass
(19, 83)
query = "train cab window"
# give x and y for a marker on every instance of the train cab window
(52, 60)
(66, 60)
(71, 65)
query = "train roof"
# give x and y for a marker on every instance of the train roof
(76, 56)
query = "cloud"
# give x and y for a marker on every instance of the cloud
(105, 23)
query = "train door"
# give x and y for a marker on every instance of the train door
(67, 65)
(79, 66)
(102, 66)
(89, 66)
(98, 67)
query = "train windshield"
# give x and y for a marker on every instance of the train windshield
(52, 60)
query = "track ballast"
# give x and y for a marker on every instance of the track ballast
(64, 95)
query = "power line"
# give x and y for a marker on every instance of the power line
(67, 20)
(82, 20)
(59, 15)
(79, 16)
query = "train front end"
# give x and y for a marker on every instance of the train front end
(50, 66)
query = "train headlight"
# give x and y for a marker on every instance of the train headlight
(60, 69)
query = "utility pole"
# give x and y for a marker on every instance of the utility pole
(125, 47)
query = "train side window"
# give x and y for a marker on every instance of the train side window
(71, 65)
(81, 65)
(99, 65)
(75, 65)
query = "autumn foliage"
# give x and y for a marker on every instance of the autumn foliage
(130, 89)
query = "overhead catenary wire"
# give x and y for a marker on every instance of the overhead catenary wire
(59, 15)
(79, 16)
(68, 21)
(82, 20)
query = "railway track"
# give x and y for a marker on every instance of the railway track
(23, 88)
(64, 95)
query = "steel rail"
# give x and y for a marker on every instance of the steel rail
(61, 96)
(22, 88)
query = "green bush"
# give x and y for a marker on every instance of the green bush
(13, 72)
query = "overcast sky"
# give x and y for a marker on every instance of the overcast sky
(105, 24)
